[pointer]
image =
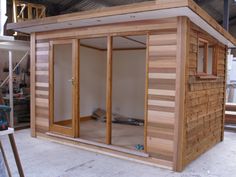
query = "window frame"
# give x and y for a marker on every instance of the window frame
(205, 60)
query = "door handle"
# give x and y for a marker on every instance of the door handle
(72, 80)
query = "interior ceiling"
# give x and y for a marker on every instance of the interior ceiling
(121, 42)
(57, 7)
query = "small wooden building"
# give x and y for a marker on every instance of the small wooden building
(162, 62)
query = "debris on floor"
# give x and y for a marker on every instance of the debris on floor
(128, 121)
(100, 114)
(139, 147)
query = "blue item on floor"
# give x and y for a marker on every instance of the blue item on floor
(139, 147)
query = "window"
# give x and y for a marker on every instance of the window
(206, 58)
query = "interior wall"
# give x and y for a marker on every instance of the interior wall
(92, 80)
(128, 82)
(129, 72)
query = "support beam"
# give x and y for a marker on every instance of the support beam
(226, 15)
(109, 91)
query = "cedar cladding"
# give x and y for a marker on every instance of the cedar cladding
(204, 103)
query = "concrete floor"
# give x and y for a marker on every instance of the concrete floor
(41, 158)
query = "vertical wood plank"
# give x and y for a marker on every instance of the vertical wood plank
(75, 104)
(109, 91)
(182, 48)
(51, 86)
(32, 85)
(146, 94)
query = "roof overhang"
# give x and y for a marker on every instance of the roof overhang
(135, 12)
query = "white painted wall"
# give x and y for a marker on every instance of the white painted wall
(92, 80)
(128, 82)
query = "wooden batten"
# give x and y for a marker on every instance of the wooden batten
(109, 91)
(32, 87)
(75, 91)
(146, 94)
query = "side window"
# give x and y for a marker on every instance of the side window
(206, 58)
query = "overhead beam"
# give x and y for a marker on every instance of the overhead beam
(226, 15)
(134, 40)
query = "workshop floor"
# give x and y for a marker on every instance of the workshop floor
(42, 158)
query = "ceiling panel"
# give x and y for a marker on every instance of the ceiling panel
(126, 42)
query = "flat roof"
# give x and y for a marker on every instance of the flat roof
(133, 12)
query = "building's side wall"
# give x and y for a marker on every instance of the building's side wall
(204, 104)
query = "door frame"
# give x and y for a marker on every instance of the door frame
(72, 131)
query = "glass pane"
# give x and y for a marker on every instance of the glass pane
(128, 91)
(210, 60)
(200, 61)
(93, 89)
(63, 84)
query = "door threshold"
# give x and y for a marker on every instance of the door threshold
(111, 147)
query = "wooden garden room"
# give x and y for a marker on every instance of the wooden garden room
(144, 82)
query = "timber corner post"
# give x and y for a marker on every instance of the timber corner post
(181, 61)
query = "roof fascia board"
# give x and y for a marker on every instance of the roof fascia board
(102, 12)
(127, 9)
